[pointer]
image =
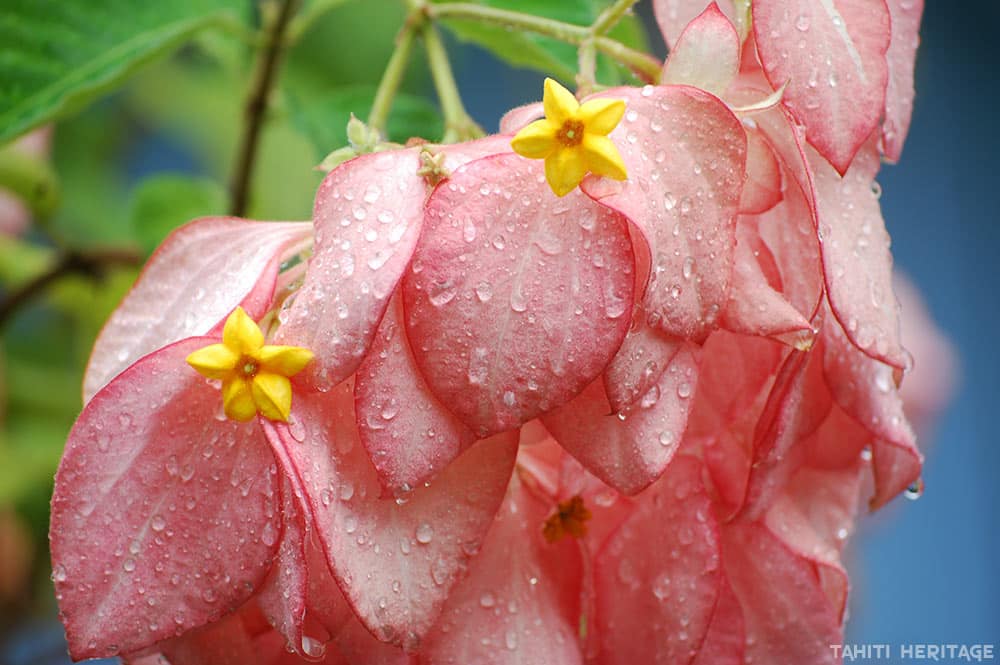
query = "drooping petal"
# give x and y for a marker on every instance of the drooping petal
(832, 55)
(537, 140)
(866, 390)
(725, 641)
(856, 257)
(901, 57)
(409, 435)
(163, 516)
(657, 587)
(600, 116)
(754, 307)
(521, 600)
(814, 517)
(685, 155)
(674, 15)
(762, 189)
(395, 561)
(516, 299)
(639, 363)
(707, 55)
(368, 215)
(193, 281)
(788, 616)
(630, 449)
(796, 407)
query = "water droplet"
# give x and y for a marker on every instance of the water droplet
(484, 291)
(208, 595)
(915, 491)
(666, 438)
(510, 640)
(487, 599)
(688, 268)
(128, 565)
(269, 535)
(424, 533)
(440, 294)
(684, 390)
(158, 523)
(509, 398)
(59, 573)
(802, 23)
(518, 301)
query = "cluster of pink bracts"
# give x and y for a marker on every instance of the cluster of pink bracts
(629, 425)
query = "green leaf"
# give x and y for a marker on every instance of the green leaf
(323, 119)
(57, 55)
(161, 203)
(549, 56)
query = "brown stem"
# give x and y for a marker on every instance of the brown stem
(89, 263)
(256, 105)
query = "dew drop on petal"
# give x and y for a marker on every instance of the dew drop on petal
(424, 533)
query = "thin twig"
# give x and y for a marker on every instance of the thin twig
(256, 106)
(89, 263)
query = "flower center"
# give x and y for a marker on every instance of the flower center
(249, 367)
(571, 133)
(570, 519)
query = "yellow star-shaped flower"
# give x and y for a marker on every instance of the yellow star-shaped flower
(573, 138)
(254, 375)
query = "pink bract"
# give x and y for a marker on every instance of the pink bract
(627, 425)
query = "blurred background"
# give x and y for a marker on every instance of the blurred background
(157, 151)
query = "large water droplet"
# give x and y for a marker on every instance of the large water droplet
(424, 533)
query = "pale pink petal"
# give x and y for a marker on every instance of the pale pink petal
(762, 189)
(707, 54)
(194, 280)
(734, 381)
(519, 117)
(658, 576)
(788, 616)
(796, 407)
(814, 517)
(163, 516)
(368, 216)
(725, 642)
(856, 257)
(674, 15)
(832, 55)
(866, 390)
(225, 642)
(685, 154)
(790, 236)
(521, 600)
(639, 363)
(395, 560)
(516, 299)
(14, 216)
(629, 449)
(409, 435)
(356, 646)
(754, 307)
(901, 57)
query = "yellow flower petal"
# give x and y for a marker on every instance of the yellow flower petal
(564, 170)
(558, 102)
(215, 361)
(284, 360)
(602, 157)
(600, 116)
(237, 400)
(537, 140)
(272, 394)
(241, 333)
